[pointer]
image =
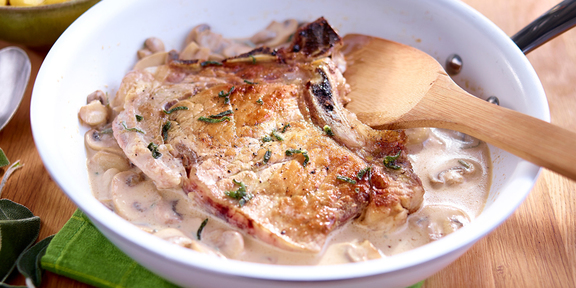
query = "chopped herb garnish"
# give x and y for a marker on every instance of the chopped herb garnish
(131, 129)
(139, 118)
(389, 161)
(239, 194)
(250, 82)
(357, 190)
(212, 120)
(267, 156)
(175, 109)
(304, 153)
(363, 172)
(278, 136)
(221, 114)
(464, 163)
(226, 96)
(165, 128)
(199, 232)
(154, 149)
(106, 131)
(285, 127)
(253, 59)
(206, 63)
(328, 130)
(346, 179)
(259, 101)
(267, 139)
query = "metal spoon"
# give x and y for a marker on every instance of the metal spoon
(14, 75)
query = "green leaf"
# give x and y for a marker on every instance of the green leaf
(3, 159)
(29, 262)
(19, 229)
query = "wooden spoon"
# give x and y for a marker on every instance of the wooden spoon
(395, 86)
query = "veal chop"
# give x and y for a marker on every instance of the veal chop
(263, 142)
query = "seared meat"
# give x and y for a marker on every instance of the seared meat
(263, 141)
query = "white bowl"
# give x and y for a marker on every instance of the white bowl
(99, 48)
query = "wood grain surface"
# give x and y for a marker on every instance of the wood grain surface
(535, 247)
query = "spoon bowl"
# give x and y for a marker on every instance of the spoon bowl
(395, 86)
(14, 76)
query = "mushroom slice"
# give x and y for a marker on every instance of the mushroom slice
(348, 252)
(230, 242)
(437, 221)
(97, 95)
(359, 252)
(177, 237)
(282, 32)
(457, 174)
(102, 161)
(101, 188)
(154, 44)
(102, 140)
(189, 52)
(94, 113)
(155, 59)
(133, 202)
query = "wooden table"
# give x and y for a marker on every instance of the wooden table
(536, 247)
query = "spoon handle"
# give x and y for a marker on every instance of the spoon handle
(537, 141)
(551, 24)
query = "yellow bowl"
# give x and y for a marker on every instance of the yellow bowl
(39, 26)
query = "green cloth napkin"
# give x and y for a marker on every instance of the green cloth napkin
(79, 251)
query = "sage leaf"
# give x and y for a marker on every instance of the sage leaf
(28, 263)
(3, 159)
(19, 229)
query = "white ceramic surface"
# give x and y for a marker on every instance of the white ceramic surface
(99, 48)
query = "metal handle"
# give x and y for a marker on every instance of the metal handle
(551, 24)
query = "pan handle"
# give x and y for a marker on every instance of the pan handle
(551, 24)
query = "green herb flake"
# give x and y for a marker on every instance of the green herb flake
(389, 161)
(221, 114)
(165, 128)
(199, 232)
(363, 172)
(253, 59)
(250, 82)
(239, 194)
(277, 136)
(259, 101)
(464, 163)
(154, 149)
(304, 153)
(346, 179)
(131, 129)
(212, 120)
(285, 127)
(106, 131)
(267, 139)
(357, 190)
(267, 156)
(328, 130)
(206, 63)
(139, 118)
(175, 109)
(226, 96)
(3, 159)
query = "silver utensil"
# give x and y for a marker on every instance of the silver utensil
(14, 75)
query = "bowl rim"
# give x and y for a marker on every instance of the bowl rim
(461, 239)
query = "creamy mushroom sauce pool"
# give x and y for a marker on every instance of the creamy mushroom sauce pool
(454, 169)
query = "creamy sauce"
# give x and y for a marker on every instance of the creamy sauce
(454, 169)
